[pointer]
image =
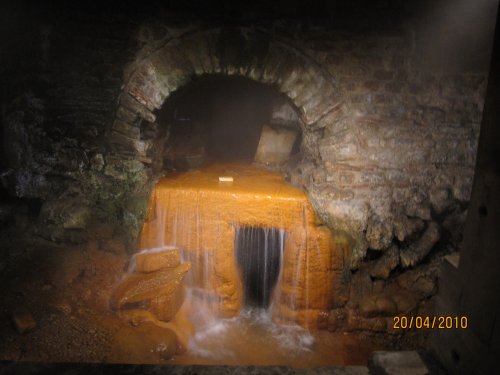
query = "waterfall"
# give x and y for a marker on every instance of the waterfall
(252, 243)
(259, 253)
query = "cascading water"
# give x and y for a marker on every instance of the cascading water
(260, 263)
(259, 253)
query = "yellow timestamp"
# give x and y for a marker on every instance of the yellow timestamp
(430, 322)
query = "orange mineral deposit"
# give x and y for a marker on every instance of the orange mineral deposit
(200, 213)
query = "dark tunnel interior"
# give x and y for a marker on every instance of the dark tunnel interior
(259, 254)
(217, 118)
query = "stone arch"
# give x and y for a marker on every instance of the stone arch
(232, 51)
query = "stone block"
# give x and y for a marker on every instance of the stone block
(334, 123)
(325, 192)
(338, 152)
(162, 289)
(151, 261)
(133, 106)
(197, 50)
(124, 142)
(405, 302)
(144, 90)
(126, 129)
(462, 190)
(396, 363)
(383, 266)
(172, 69)
(405, 226)
(283, 114)
(275, 145)
(166, 305)
(127, 115)
(69, 212)
(77, 218)
(440, 200)
(414, 253)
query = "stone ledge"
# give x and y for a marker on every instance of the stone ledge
(388, 363)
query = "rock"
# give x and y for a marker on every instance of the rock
(368, 307)
(23, 321)
(166, 305)
(97, 162)
(385, 306)
(162, 291)
(419, 249)
(355, 322)
(68, 212)
(382, 267)
(284, 114)
(134, 211)
(128, 172)
(154, 261)
(135, 107)
(377, 305)
(77, 218)
(405, 227)
(462, 190)
(395, 363)
(419, 281)
(405, 302)
(349, 216)
(379, 234)
(143, 287)
(440, 200)
(425, 287)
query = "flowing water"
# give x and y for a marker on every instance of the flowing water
(263, 268)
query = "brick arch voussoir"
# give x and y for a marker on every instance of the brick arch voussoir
(252, 54)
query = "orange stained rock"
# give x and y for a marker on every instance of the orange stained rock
(200, 215)
(154, 261)
(138, 287)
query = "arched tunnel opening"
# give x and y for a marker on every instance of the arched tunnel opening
(217, 118)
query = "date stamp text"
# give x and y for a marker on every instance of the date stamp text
(430, 322)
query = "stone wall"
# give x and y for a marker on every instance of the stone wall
(62, 80)
(404, 153)
(388, 151)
